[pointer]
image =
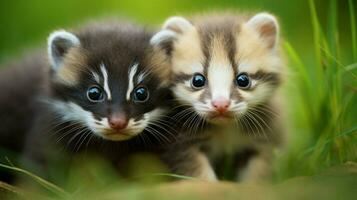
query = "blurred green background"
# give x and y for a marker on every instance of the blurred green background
(319, 40)
(25, 23)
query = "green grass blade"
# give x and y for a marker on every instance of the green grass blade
(353, 29)
(351, 67)
(328, 141)
(49, 186)
(316, 33)
(348, 69)
(297, 61)
(332, 29)
(10, 188)
(175, 176)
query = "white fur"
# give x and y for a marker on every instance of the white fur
(70, 111)
(170, 29)
(106, 85)
(136, 127)
(220, 78)
(162, 36)
(262, 18)
(61, 34)
(132, 71)
(96, 77)
(142, 76)
(179, 23)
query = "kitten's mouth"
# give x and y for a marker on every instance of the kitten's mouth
(220, 117)
(117, 135)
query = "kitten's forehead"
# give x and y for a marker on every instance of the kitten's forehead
(228, 38)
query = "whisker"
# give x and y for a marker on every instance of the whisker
(261, 129)
(73, 137)
(87, 134)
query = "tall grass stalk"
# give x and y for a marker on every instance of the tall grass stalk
(353, 29)
(324, 99)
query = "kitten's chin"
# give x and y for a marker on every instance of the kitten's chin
(221, 120)
(216, 118)
(117, 135)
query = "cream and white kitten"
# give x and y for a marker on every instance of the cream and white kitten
(227, 69)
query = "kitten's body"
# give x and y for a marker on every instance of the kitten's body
(240, 122)
(20, 82)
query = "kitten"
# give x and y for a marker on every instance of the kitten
(227, 70)
(104, 90)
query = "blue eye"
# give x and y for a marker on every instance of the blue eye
(198, 81)
(95, 94)
(141, 94)
(243, 81)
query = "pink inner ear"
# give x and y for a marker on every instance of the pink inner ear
(268, 31)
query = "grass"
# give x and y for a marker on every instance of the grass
(322, 107)
(323, 115)
(353, 28)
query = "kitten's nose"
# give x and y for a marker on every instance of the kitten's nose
(221, 104)
(118, 122)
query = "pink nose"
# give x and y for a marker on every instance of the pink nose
(118, 122)
(221, 104)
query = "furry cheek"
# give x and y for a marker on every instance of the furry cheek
(138, 126)
(186, 95)
(72, 112)
(259, 95)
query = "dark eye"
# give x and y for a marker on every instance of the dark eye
(198, 81)
(141, 94)
(95, 94)
(243, 81)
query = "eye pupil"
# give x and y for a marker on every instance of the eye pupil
(198, 81)
(141, 94)
(95, 94)
(243, 81)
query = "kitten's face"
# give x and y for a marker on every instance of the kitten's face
(106, 82)
(223, 67)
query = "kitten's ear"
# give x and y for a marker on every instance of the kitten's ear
(59, 43)
(267, 27)
(172, 28)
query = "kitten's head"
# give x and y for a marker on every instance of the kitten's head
(107, 79)
(222, 65)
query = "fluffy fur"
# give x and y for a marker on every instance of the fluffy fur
(50, 103)
(220, 48)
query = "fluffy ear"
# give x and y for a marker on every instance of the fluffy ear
(172, 28)
(267, 27)
(59, 43)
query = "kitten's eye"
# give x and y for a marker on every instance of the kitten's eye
(141, 94)
(95, 94)
(198, 81)
(243, 81)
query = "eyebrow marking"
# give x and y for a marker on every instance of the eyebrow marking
(106, 86)
(142, 76)
(132, 71)
(96, 77)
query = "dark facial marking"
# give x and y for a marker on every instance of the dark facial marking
(181, 78)
(270, 77)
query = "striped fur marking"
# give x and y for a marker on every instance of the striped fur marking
(132, 71)
(105, 77)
